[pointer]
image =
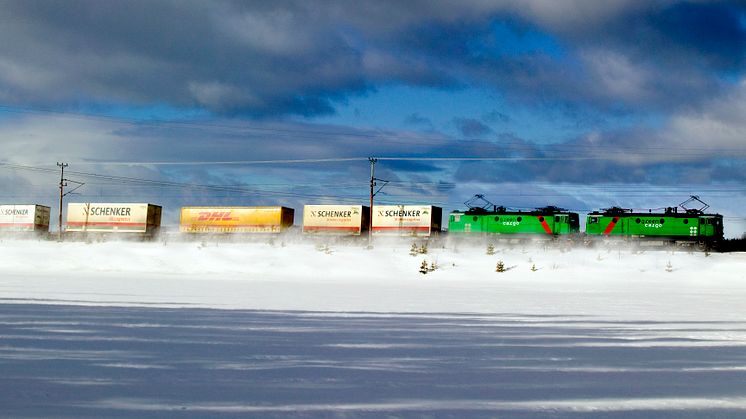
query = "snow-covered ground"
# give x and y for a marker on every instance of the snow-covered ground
(328, 329)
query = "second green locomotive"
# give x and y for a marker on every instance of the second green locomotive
(690, 226)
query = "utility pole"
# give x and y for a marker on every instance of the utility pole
(62, 167)
(372, 185)
(373, 193)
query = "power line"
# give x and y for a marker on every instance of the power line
(618, 191)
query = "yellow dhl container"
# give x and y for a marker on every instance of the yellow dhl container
(235, 219)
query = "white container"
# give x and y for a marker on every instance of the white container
(341, 220)
(113, 218)
(24, 218)
(406, 220)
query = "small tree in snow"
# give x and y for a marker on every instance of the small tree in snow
(500, 267)
(413, 250)
(423, 268)
(669, 267)
(490, 249)
(533, 268)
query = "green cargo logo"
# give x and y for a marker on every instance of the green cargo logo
(651, 223)
(509, 221)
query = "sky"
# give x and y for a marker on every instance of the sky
(580, 104)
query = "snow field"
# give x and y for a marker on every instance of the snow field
(195, 329)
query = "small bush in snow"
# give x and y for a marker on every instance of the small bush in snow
(500, 267)
(424, 268)
(669, 267)
(533, 268)
(324, 248)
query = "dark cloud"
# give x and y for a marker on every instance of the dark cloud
(418, 120)
(714, 32)
(469, 127)
(274, 58)
(496, 116)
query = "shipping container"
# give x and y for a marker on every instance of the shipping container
(235, 219)
(406, 220)
(342, 220)
(24, 218)
(113, 218)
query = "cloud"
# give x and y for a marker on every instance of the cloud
(469, 127)
(267, 59)
(496, 116)
(418, 120)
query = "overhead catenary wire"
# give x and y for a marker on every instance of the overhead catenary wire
(435, 198)
(634, 188)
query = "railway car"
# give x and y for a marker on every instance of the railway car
(548, 222)
(24, 219)
(115, 218)
(407, 220)
(673, 226)
(237, 220)
(335, 220)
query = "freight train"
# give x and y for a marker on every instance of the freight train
(482, 218)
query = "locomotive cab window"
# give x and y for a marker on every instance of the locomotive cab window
(593, 220)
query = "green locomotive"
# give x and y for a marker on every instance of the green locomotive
(671, 225)
(545, 222)
(541, 222)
